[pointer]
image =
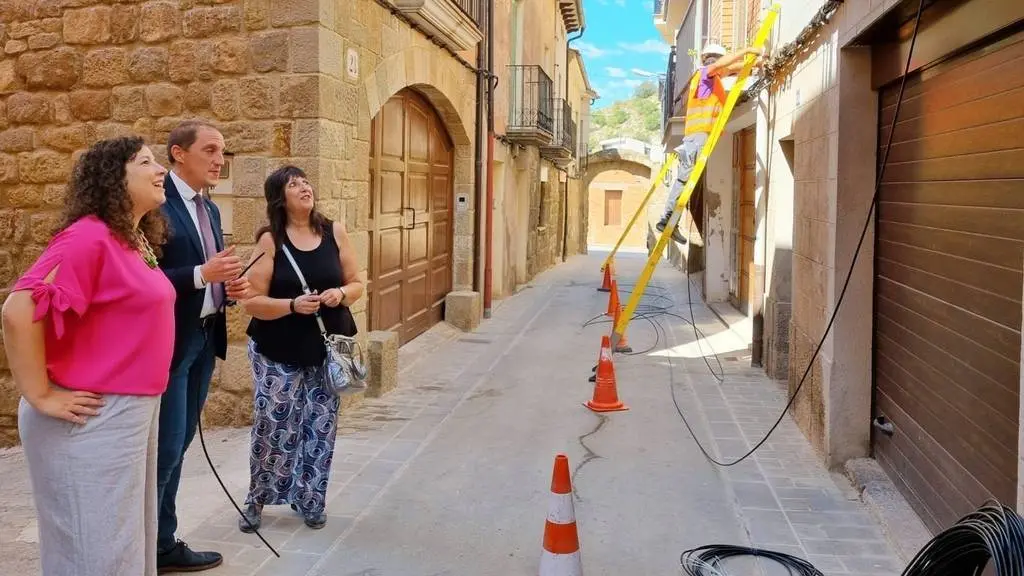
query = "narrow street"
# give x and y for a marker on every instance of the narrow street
(450, 473)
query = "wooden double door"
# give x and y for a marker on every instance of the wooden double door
(411, 190)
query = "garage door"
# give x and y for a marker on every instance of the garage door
(950, 237)
(410, 269)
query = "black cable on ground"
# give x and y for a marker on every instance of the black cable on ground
(202, 442)
(706, 560)
(992, 533)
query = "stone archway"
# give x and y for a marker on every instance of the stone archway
(613, 159)
(450, 89)
(421, 188)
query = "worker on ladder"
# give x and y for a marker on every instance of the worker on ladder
(705, 99)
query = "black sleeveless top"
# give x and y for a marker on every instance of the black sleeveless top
(295, 339)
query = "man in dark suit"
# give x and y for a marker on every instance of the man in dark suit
(204, 276)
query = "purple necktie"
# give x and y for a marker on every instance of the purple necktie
(211, 247)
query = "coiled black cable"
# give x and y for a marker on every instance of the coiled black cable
(993, 533)
(706, 560)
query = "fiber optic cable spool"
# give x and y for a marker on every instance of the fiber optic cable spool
(698, 169)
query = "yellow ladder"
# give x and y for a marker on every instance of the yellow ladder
(691, 183)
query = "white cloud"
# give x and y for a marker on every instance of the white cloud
(647, 46)
(590, 51)
(643, 72)
(649, 5)
(620, 3)
(616, 72)
(627, 83)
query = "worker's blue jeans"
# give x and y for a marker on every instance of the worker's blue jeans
(687, 152)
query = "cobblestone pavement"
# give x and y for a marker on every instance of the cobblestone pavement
(448, 474)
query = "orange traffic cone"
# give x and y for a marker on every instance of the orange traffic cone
(606, 395)
(613, 299)
(561, 555)
(622, 347)
(606, 285)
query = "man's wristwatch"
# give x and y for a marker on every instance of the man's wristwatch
(291, 305)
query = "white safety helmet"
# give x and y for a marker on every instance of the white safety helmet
(713, 50)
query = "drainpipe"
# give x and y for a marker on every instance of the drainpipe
(565, 194)
(489, 240)
(478, 190)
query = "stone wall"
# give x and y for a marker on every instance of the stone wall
(547, 200)
(274, 77)
(72, 76)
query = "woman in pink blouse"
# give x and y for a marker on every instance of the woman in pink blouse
(89, 333)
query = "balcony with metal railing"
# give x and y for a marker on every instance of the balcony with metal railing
(562, 148)
(680, 67)
(455, 23)
(668, 90)
(530, 113)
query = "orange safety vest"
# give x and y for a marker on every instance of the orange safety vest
(701, 113)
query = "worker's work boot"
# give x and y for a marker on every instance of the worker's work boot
(675, 231)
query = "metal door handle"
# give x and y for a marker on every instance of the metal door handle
(413, 217)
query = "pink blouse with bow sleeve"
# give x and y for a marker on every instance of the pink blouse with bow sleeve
(109, 316)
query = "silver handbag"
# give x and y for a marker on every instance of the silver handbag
(344, 366)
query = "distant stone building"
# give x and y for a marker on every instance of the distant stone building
(617, 181)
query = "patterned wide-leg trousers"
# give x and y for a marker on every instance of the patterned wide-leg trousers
(295, 422)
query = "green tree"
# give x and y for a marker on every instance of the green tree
(617, 117)
(645, 90)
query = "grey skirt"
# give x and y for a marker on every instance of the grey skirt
(94, 487)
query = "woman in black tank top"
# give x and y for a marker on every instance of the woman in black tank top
(294, 416)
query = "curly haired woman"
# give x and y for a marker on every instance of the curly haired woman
(90, 374)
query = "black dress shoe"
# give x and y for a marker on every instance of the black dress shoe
(253, 517)
(183, 559)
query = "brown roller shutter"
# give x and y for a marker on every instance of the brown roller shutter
(950, 239)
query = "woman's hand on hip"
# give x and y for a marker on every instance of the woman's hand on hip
(307, 304)
(70, 405)
(332, 298)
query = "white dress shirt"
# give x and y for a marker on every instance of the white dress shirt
(187, 194)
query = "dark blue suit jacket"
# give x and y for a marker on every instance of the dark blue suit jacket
(181, 254)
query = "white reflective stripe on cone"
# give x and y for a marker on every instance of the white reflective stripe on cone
(561, 564)
(561, 509)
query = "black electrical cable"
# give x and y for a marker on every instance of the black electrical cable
(202, 442)
(706, 560)
(202, 439)
(993, 533)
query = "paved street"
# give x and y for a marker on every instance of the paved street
(449, 474)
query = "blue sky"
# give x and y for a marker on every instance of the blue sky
(620, 39)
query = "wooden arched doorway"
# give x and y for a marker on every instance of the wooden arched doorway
(411, 190)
